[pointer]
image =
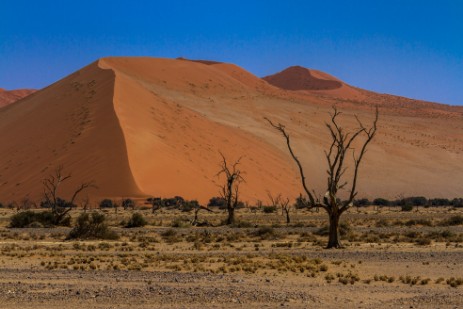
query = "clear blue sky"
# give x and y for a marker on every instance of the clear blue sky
(408, 48)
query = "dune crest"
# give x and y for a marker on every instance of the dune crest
(299, 78)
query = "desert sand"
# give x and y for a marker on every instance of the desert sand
(144, 127)
(385, 263)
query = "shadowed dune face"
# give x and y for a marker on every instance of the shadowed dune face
(11, 96)
(299, 78)
(154, 127)
(70, 123)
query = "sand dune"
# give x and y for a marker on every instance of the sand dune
(154, 127)
(299, 78)
(11, 96)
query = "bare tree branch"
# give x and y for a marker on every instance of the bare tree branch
(230, 190)
(370, 133)
(336, 156)
(60, 207)
(281, 129)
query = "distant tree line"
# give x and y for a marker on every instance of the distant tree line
(180, 203)
(413, 201)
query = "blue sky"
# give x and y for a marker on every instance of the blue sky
(408, 48)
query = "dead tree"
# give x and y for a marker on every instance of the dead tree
(255, 209)
(196, 221)
(128, 203)
(286, 208)
(230, 190)
(283, 204)
(60, 207)
(338, 152)
(85, 203)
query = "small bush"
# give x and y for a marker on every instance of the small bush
(31, 218)
(269, 209)
(362, 202)
(181, 222)
(454, 220)
(415, 201)
(457, 202)
(176, 201)
(447, 234)
(241, 224)
(423, 241)
(217, 202)
(170, 236)
(137, 220)
(190, 205)
(406, 207)
(92, 227)
(26, 218)
(381, 202)
(383, 223)
(169, 233)
(410, 280)
(329, 278)
(266, 233)
(422, 222)
(454, 282)
(106, 203)
(127, 203)
(412, 234)
(440, 202)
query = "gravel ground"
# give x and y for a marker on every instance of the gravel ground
(26, 283)
(135, 289)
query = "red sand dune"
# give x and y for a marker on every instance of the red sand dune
(11, 96)
(154, 127)
(299, 78)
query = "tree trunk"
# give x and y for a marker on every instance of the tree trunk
(231, 216)
(288, 220)
(195, 221)
(333, 241)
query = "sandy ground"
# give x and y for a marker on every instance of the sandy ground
(120, 289)
(223, 267)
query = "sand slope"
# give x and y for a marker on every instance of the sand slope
(173, 149)
(70, 123)
(146, 126)
(11, 96)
